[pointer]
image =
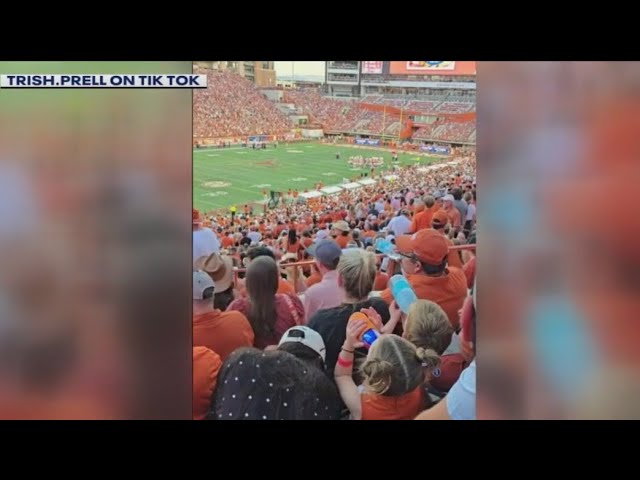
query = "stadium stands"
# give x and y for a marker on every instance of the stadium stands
(232, 106)
(357, 218)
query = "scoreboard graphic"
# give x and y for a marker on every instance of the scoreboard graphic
(372, 67)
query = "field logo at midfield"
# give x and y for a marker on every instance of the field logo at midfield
(216, 184)
(295, 151)
(298, 179)
(219, 193)
(267, 163)
(261, 185)
(329, 174)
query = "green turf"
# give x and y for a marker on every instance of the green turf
(299, 165)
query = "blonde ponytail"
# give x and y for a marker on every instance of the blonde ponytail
(428, 357)
(358, 271)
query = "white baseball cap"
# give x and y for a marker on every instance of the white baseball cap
(307, 337)
(448, 198)
(321, 235)
(201, 282)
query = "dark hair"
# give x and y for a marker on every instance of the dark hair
(457, 193)
(260, 251)
(292, 237)
(221, 300)
(273, 385)
(208, 293)
(345, 234)
(434, 269)
(304, 353)
(262, 285)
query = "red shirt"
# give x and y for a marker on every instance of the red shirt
(286, 317)
(448, 372)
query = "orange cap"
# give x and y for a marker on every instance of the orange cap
(195, 216)
(440, 219)
(430, 246)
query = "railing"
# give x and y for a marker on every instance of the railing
(237, 270)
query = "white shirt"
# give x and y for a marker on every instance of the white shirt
(399, 225)
(471, 211)
(254, 236)
(461, 399)
(205, 242)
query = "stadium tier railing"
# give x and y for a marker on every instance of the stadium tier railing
(390, 267)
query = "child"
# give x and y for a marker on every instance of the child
(394, 377)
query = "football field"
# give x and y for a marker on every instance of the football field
(235, 176)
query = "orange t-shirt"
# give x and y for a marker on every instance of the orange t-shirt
(422, 220)
(454, 216)
(227, 242)
(381, 281)
(369, 234)
(343, 241)
(403, 407)
(222, 332)
(307, 242)
(284, 287)
(448, 291)
(206, 365)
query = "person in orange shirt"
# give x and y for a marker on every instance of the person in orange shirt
(439, 222)
(306, 240)
(206, 366)
(454, 214)
(227, 240)
(422, 220)
(424, 264)
(293, 244)
(341, 229)
(222, 332)
(393, 372)
(368, 232)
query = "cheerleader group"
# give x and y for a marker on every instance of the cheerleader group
(361, 162)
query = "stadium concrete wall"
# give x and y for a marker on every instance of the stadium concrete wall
(312, 133)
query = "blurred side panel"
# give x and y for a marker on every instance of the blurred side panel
(95, 312)
(559, 269)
